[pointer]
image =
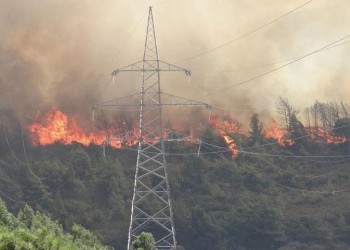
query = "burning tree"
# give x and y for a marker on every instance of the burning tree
(278, 134)
(325, 115)
(297, 131)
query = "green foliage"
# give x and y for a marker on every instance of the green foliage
(144, 241)
(6, 218)
(26, 216)
(31, 230)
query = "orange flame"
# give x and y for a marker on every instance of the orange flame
(276, 133)
(57, 127)
(319, 134)
(225, 128)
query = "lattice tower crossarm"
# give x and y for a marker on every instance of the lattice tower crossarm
(151, 208)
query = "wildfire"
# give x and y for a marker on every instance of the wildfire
(225, 128)
(314, 133)
(319, 134)
(57, 127)
(276, 133)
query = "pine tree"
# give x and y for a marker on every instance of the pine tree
(256, 128)
(297, 131)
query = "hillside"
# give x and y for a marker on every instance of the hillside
(268, 197)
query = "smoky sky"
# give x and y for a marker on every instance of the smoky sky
(60, 53)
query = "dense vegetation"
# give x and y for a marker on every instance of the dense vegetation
(266, 198)
(30, 230)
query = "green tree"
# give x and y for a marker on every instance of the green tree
(297, 131)
(81, 162)
(29, 231)
(26, 216)
(6, 218)
(144, 241)
(342, 128)
(256, 129)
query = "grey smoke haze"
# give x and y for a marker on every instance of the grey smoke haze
(60, 53)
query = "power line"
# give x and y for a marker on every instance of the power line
(275, 69)
(266, 179)
(299, 189)
(176, 30)
(151, 178)
(279, 155)
(47, 195)
(320, 175)
(294, 156)
(118, 53)
(227, 150)
(26, 157)
(263, 65)
(266, 64)
(9, 146)
(230, 109)
(220, 151)
(243, 150)
(269, 180)
(260, 177)
(249, 33)
(30, 170)
(295, 188)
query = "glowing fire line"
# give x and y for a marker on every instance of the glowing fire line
(58, 127)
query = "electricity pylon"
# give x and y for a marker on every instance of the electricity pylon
(151, 208)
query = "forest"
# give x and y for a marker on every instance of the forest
(271, 195)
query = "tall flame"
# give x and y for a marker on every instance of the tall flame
(278, 134)
(57, 127)
(225, 128)
(314, 133)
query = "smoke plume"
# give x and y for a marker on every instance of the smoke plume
(61, 53)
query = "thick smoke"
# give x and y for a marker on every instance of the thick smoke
(61, 53)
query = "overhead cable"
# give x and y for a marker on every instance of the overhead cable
(266, 64)
(248, 33)
(275, 69)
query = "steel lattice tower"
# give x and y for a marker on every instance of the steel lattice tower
(151, 181)
(151, 208)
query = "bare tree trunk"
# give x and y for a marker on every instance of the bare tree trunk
(307, 115)
(285, 111)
